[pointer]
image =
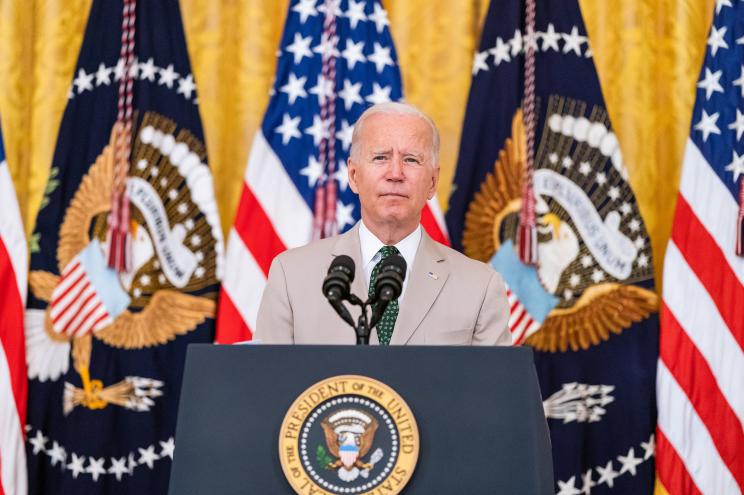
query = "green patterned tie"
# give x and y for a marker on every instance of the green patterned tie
(387, 322)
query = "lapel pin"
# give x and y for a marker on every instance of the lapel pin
(433, 275)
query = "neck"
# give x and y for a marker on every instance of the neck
(390, 234)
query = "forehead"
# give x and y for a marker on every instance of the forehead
(392, 130)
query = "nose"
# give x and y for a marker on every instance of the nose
(395, 170)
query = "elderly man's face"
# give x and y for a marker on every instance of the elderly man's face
(392, 171)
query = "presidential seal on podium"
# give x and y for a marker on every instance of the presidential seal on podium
(348, 434)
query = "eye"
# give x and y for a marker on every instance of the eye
(413, 160)
(378, 158)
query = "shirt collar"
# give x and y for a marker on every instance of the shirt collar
(370, 245)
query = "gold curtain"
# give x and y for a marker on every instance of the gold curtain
(648, 54)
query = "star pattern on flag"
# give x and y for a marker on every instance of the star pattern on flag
(147, 71)
(367, 73)
(718, 115)
(77, 465)
(98, 467)
(707, 125)
(711, 83)
(504, 51)
(295, 88)
(305, 8)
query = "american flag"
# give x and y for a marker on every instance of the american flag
(336, 58)
(13, 271)
(700, 382)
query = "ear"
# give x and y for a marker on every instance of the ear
(434, 181)
(352, 170)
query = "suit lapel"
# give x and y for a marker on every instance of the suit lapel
(429, 273)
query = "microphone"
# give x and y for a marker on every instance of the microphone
(389, 285)
(337, 285)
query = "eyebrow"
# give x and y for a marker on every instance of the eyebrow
(389, 151)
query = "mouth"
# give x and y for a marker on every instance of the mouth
(393, 195)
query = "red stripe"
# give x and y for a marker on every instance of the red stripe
(708, 262)
(86, 325)
(69, 305)
(523, 335)
(72, 285)
(82, 307)
(432, 227)
(70, 269)
(257, 231)
(56, 300)
(692, 372)
(520, 318)
(99, 320)
(231, 327)
(513, 306)
(11, 333)
(671, 470)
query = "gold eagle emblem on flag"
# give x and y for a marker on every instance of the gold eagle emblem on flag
(176, 248)
(592, 245)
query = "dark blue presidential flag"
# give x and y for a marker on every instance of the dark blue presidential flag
(588, 306)
(129, 178)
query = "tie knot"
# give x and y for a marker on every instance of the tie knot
(386, 251)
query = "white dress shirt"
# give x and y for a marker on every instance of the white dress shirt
(371, 246)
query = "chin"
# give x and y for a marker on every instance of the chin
(395, 216)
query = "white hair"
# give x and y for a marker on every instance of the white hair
(395, 108)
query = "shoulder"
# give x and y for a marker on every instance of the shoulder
(308, 251)
(322, 250)
(462, 266)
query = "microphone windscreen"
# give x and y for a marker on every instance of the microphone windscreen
(396, 262)
(344, 263)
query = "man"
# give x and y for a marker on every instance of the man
(447, 298)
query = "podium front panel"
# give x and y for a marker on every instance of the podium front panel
(478, 410)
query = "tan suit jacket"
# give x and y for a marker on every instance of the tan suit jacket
(450, 299)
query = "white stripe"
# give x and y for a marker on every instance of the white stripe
(516, 314)
(437, 214)
(71, 312)
(12, 449)
(712, 203)
(534, 327)
(60, 306)
(84, 322)
(695, 311)
(244, 282)
(103, 323)
(280, 199)
(522, 324)
(69, 274)
(11, 230)
(687, 433)
(518, 332)
(87, 325)
(525, 324)
(75, 325)
(65, 283)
